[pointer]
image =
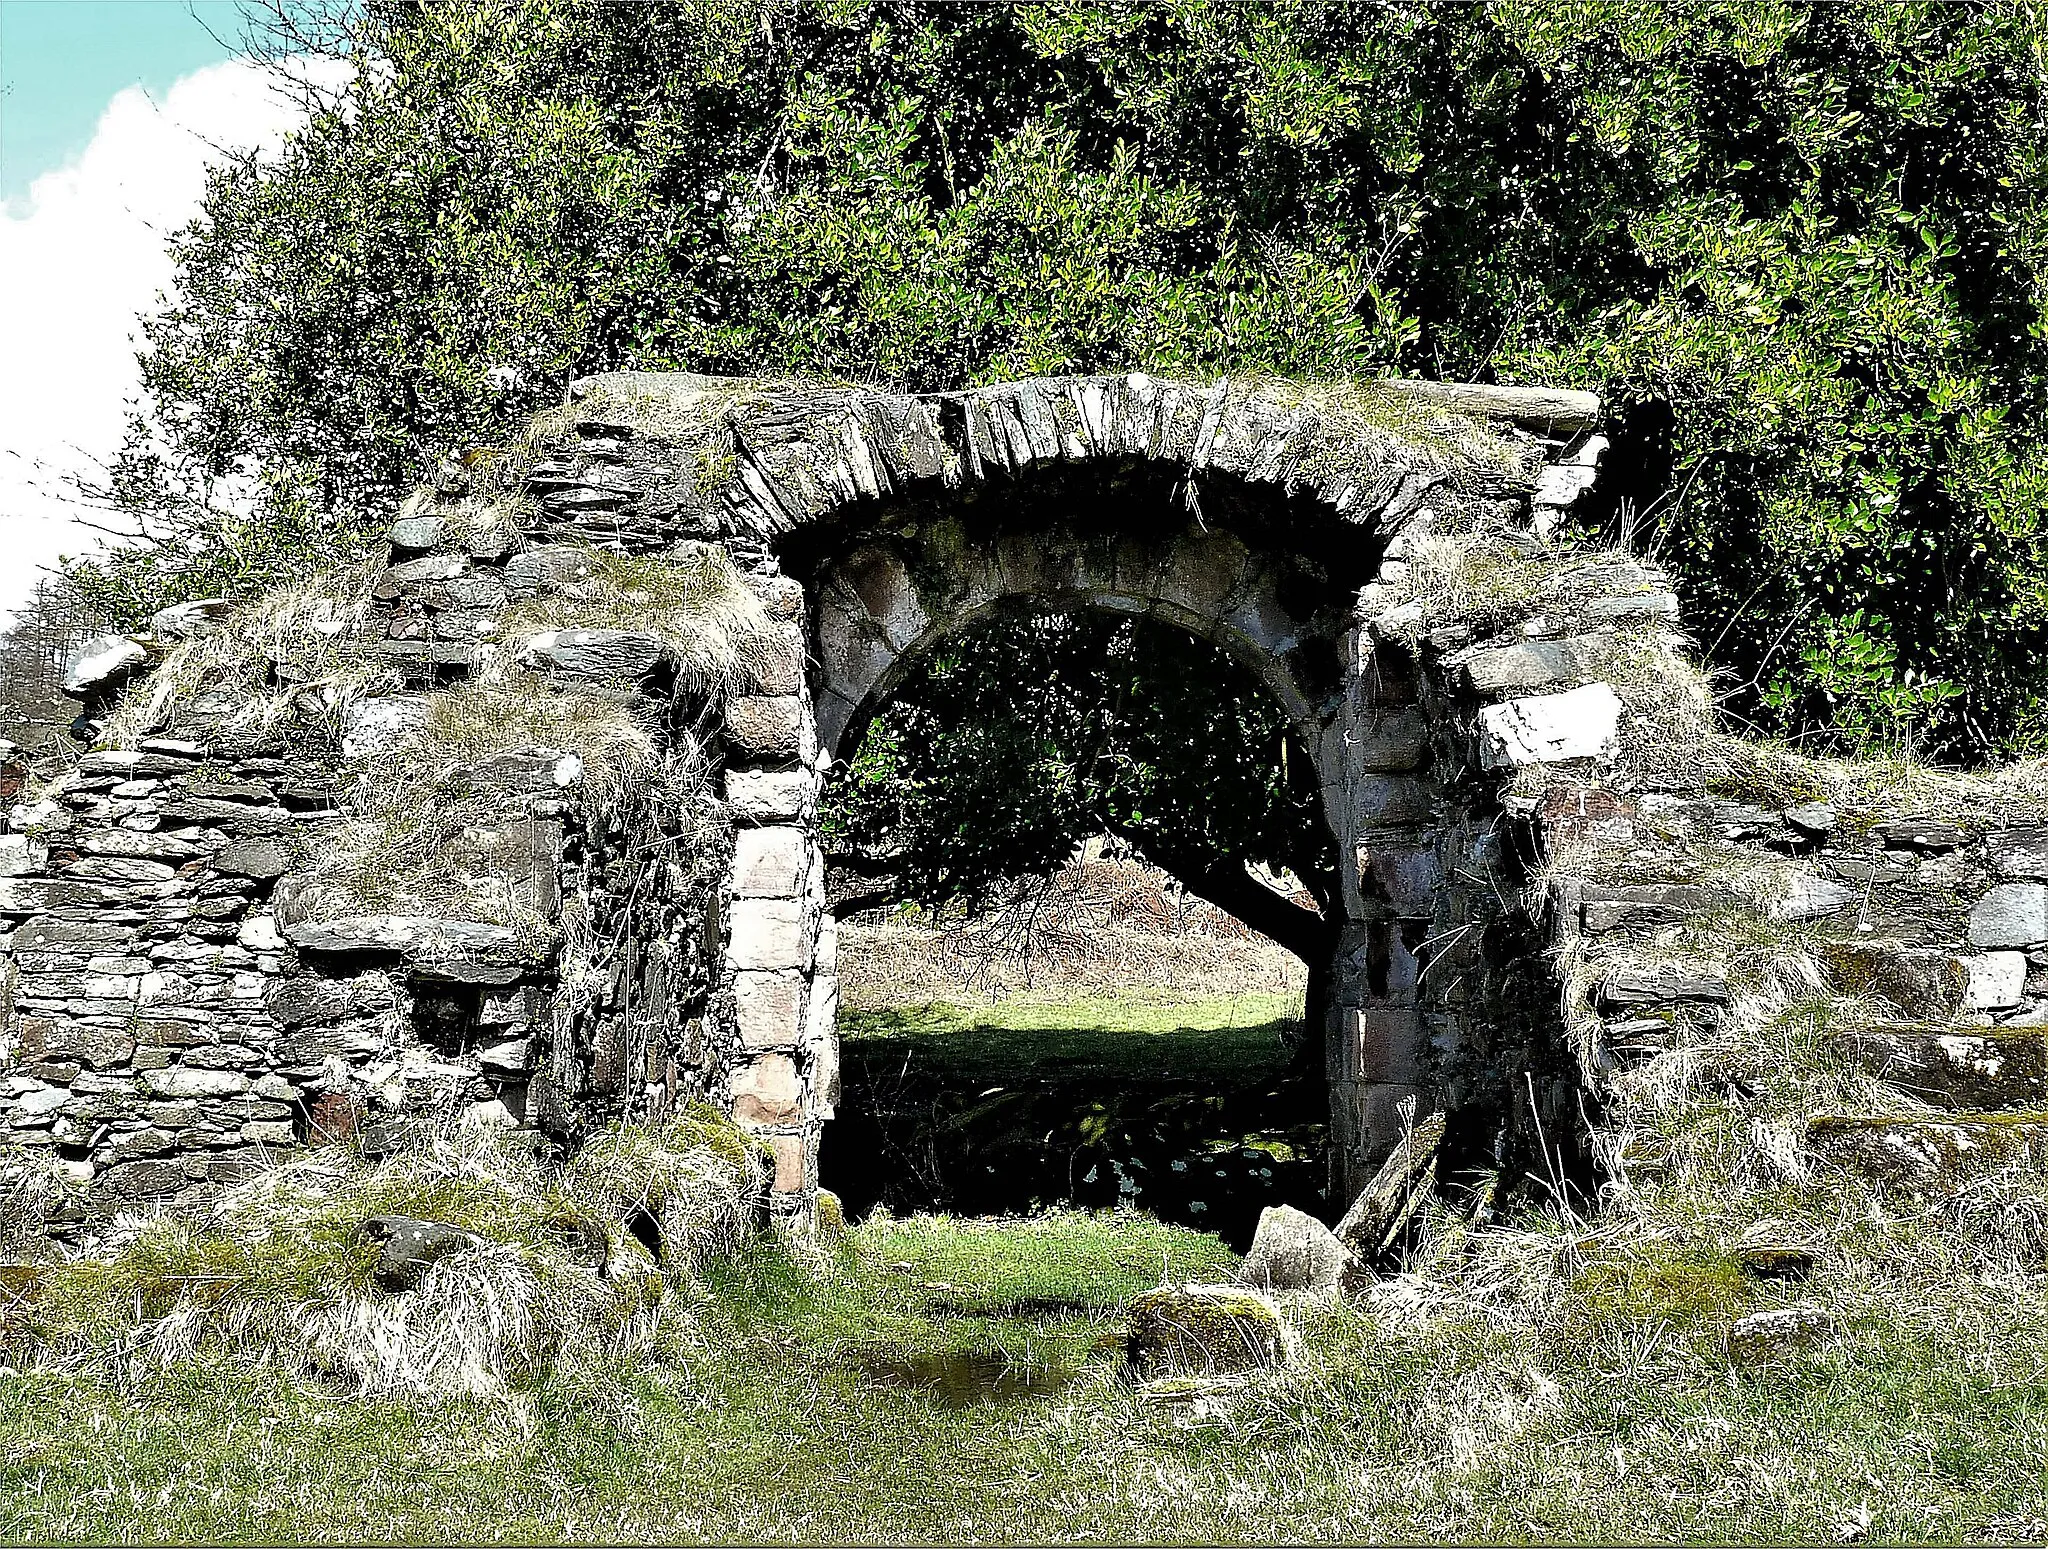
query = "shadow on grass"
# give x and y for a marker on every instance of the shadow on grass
(1187, 1111)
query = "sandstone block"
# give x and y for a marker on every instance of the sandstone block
(1602, 909)
(793, 1163)
(767, 1090)
(506, 1058)
(142, 1142)
(777, 665)
(1815, 819)
(415, 572)
(259, 934)
(1989, 1069)
(769, 796)
(1919, 833)
(769, 1008)
(770, 862)
(1385, 1043)
(223, 1056)
(767, 933)
(771, 728)
(1392, 801)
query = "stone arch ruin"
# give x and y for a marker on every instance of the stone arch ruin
(522, 821)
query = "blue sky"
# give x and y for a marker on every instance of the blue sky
(111, 112)
(62, 61)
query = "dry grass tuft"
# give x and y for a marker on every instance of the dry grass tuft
(281, 1271)
(293, 659)
(714, 627)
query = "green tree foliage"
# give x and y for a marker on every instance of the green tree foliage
(1801, 249)
(1034, 733)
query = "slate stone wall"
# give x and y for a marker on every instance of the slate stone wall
(1519, 823)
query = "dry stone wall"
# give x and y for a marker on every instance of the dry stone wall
(520, 826)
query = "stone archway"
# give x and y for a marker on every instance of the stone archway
(645, 966)
(1256, 522)
(609, 898)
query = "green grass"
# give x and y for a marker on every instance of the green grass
(761, 1423)
(1136, 1034)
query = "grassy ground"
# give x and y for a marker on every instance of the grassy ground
(767, 1420)
(1134, 1034)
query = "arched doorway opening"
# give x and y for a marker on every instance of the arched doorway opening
(1086, 901)
(1267, 580)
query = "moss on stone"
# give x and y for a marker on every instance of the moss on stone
(1188, 1330)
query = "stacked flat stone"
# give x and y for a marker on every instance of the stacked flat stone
(176, 1000)
(142, 1047)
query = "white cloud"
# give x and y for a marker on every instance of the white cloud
(80, 257)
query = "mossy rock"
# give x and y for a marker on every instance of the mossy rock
(1199, 1330)
(1955, 1067)
(831, 1218)
(1777, 1261)
(1920, 983)
(1927, 1155)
